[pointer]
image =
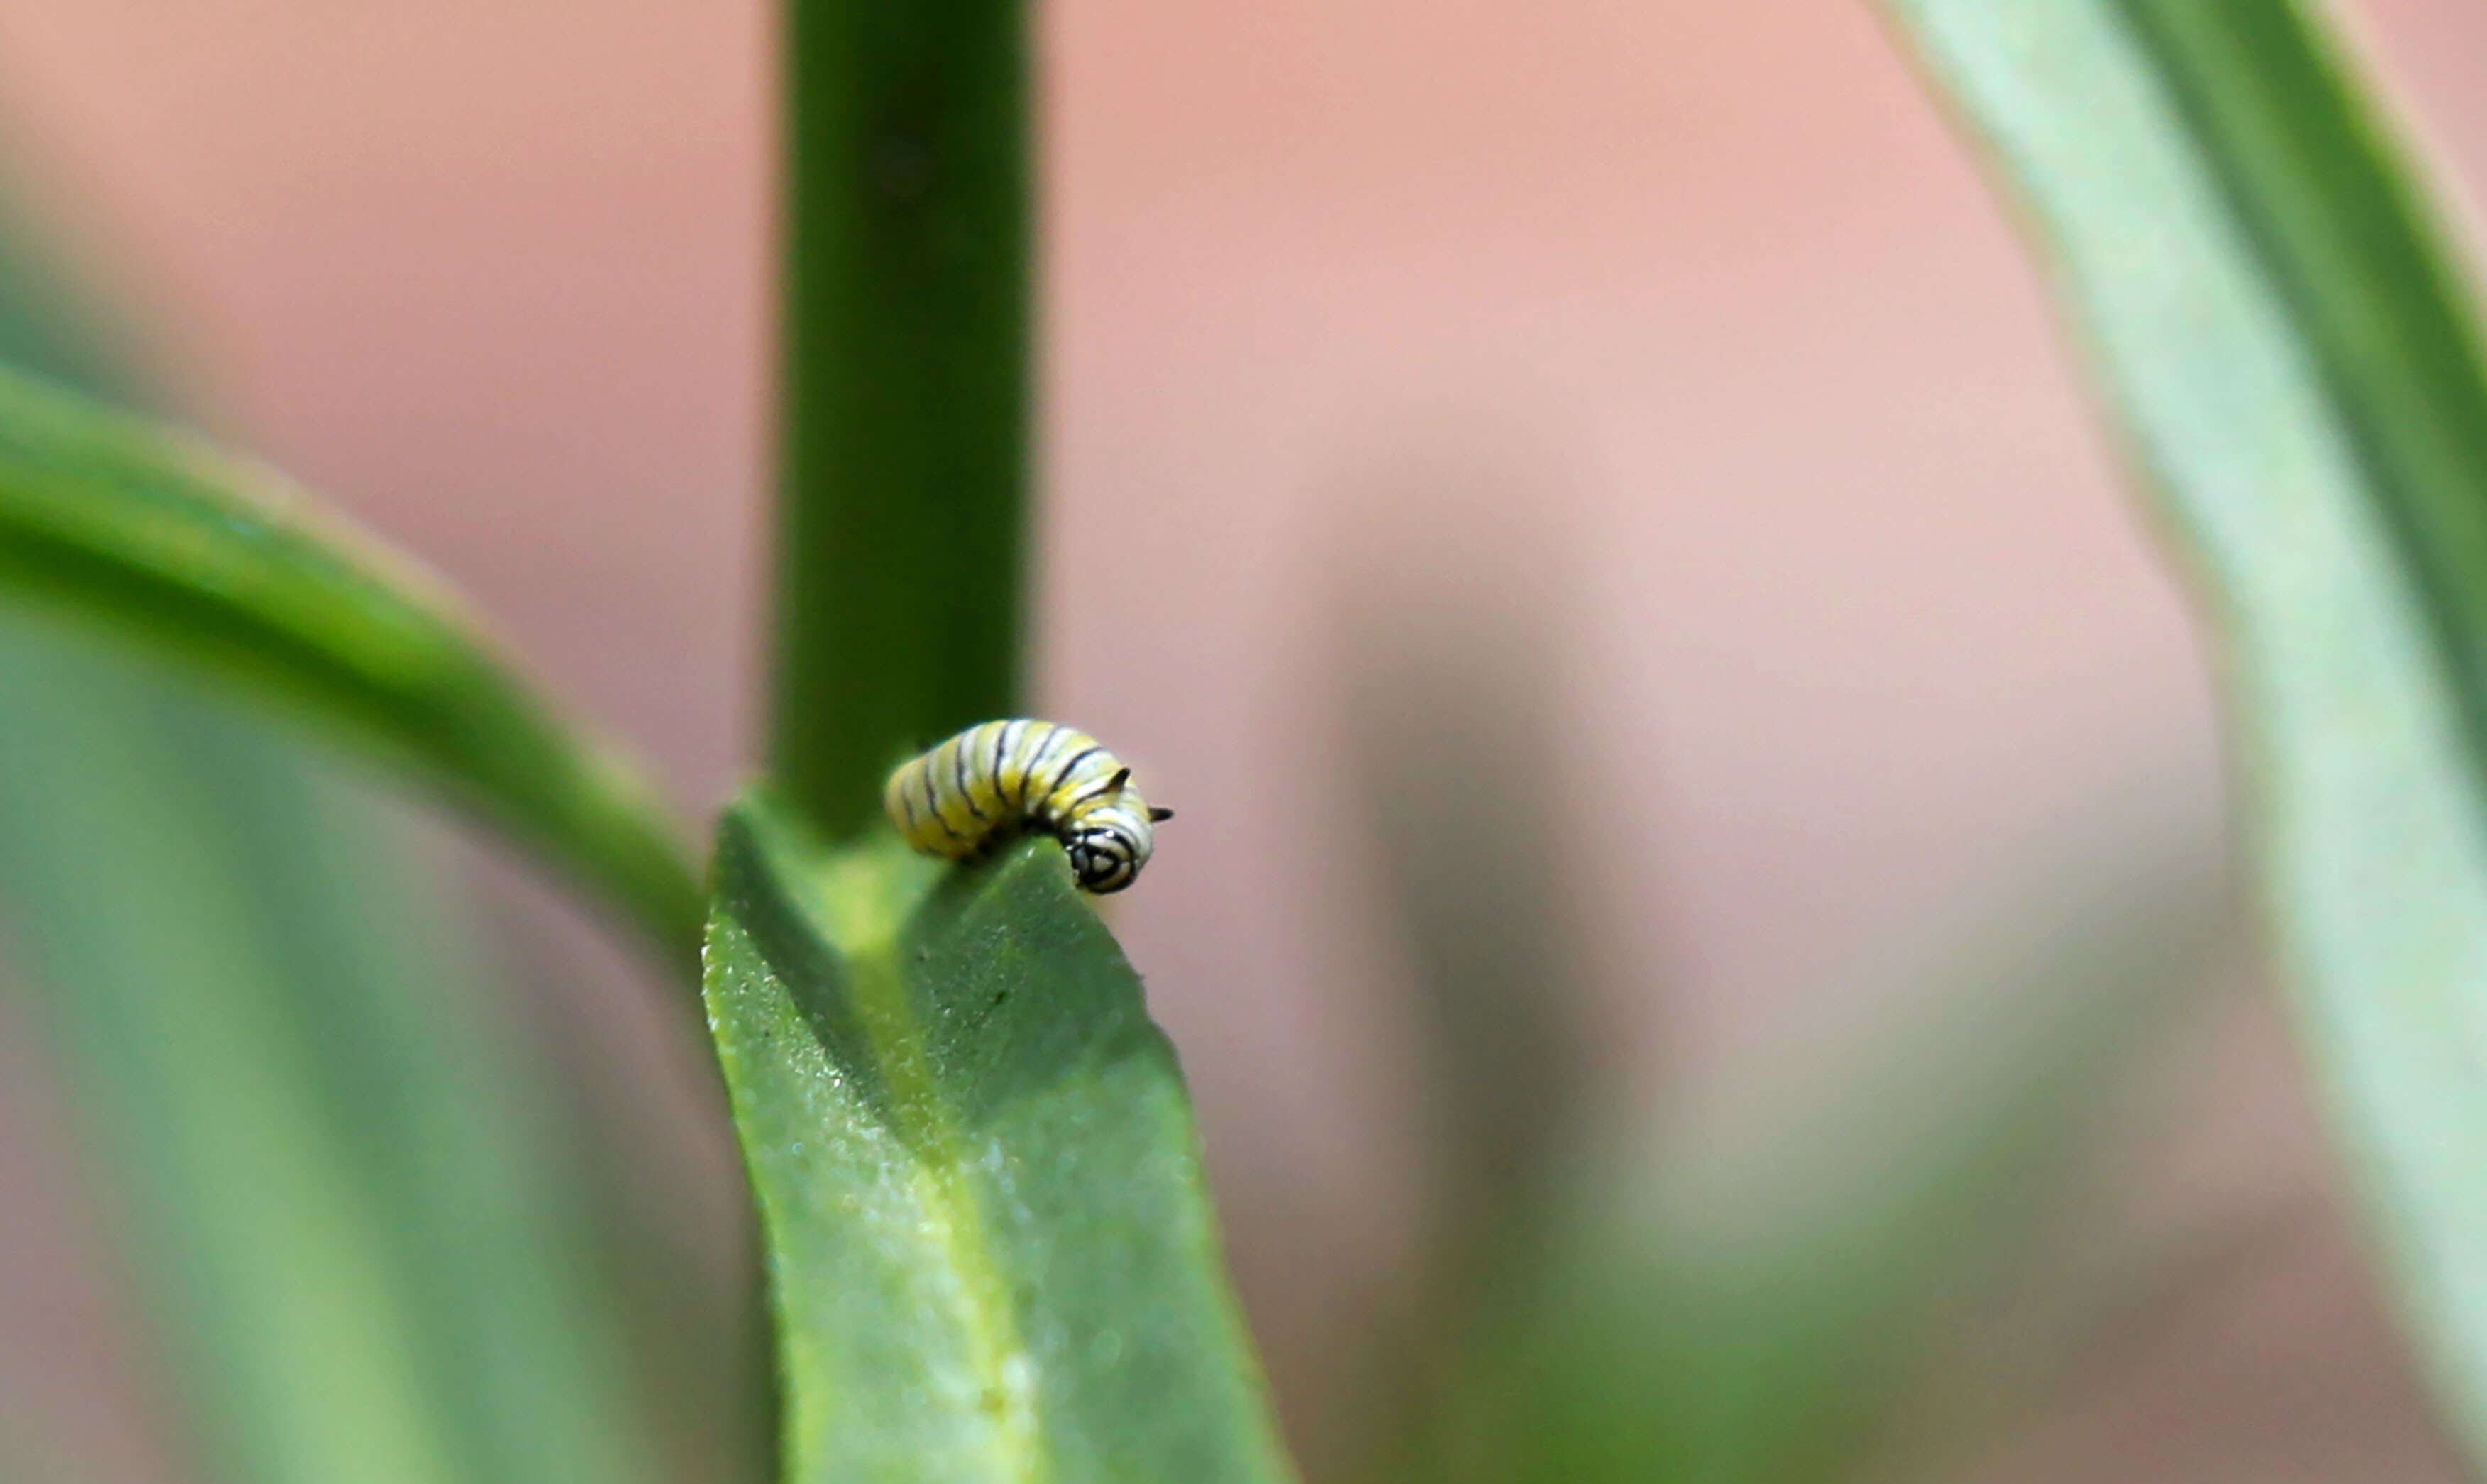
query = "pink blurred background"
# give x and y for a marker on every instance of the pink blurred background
(1700, 306)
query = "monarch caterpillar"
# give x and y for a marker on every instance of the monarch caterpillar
(998, 779)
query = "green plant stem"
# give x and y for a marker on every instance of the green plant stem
(905, 433)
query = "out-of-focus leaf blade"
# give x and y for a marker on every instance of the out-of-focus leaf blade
(334, 1182)
(229, 566)
(2292, 356)
(1467, 656)
(362, 1260)
(989, 1244)
(1755, 1308)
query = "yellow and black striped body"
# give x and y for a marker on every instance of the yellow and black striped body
(998, 780)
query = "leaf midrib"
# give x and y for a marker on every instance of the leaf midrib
(861, 906)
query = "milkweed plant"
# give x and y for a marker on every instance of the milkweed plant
(985, 1240)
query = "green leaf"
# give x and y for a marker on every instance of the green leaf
(989, 1244)
(2289, 352)
(904, 430)
(228, 567)
(336, 1183)
(333, 1181)
(1753, 1299)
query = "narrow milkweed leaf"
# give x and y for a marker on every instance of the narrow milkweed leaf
(2291, 353)
(230, 567)
(336, 1184)
(334, 1187)
(989, 1244)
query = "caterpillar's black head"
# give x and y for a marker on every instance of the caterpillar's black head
(1105, 859)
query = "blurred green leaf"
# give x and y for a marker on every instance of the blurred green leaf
(1473, 667)
(1749, 1300)
(335, 1182)
(1465, 651)
(332, 1186)
(991, 1251)
(228, 567)
(2293, 357)
(1757, 1306)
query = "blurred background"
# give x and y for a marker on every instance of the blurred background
(1620, 446)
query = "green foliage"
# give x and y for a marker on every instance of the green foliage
(990, 1247)
(361, 1252)
(335, 1182)
(1757, 1297)
(233, 571)
(2294, 362)
(1765, 1307)
(904, 430)
(987, 1232)
(989, 1244)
